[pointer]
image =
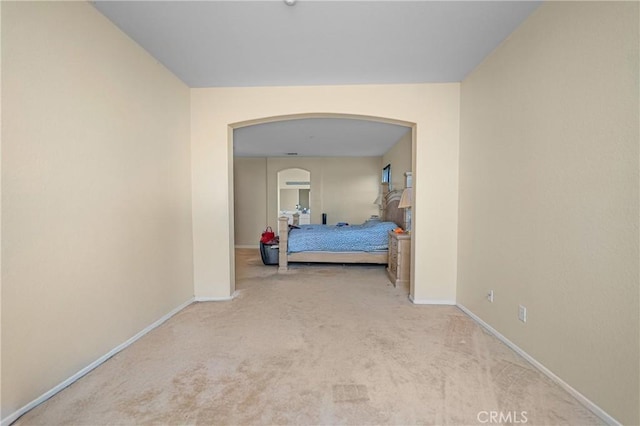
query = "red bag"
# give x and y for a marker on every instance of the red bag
(268, 235)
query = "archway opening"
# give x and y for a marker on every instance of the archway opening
(348, 200)
(294, 195)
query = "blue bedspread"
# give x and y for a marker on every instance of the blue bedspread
(366, 237)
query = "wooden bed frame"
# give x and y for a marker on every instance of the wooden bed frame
(390, 212)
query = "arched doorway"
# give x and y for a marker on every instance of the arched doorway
(282, 200)
(294, 194)
(433, 112)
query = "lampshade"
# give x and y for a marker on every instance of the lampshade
(406, 199)
(378, 200)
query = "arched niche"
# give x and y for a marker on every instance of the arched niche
(294, 194)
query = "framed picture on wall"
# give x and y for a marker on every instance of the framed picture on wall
(386, 175)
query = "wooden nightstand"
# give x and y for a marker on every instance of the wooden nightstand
(399, 267)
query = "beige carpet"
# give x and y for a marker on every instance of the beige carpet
(326, 344)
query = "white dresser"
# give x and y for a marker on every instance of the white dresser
(305, 218)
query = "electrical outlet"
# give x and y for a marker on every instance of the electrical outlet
(522, 313)
(490, 296)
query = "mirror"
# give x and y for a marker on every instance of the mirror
(294, 194)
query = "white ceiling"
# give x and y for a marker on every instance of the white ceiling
(267, 43)
(321, 42)
(325, 137)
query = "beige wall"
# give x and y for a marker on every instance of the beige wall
(399, 156)
(434, 108)
(95, 193)
(293, 175)
(288, 199)
(344, 188)
(250, 180)
(549, 196)
(349, 188)
(2, 411)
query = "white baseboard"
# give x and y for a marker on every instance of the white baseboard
(216, 299)
(544, 370)
(247, 246)
(431, 301)
(45, 396)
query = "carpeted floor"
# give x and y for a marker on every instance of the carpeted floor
(322, 344)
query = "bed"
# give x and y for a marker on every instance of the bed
(366, 243)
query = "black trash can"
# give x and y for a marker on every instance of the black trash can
(270, 252)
